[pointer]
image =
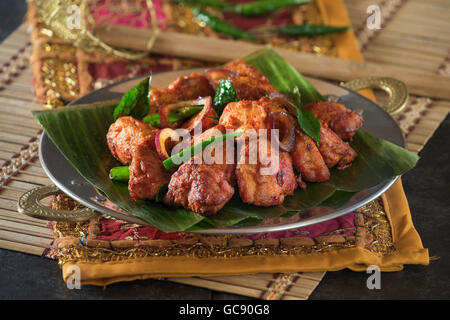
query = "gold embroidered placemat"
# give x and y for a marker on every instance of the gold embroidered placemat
(20, 170)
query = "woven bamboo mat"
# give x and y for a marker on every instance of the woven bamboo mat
(415, 34)
(421, 41)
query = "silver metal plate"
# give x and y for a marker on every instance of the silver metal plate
(377, 121)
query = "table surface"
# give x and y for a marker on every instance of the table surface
(427, 186)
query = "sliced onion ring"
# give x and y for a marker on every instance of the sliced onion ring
(283, 100)
(164, 111)
(165, 140)
(283, 121)
(201, 121)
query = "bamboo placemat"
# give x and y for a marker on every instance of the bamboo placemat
(421, 41)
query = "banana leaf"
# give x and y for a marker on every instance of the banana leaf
(283, 76)
(79, 132)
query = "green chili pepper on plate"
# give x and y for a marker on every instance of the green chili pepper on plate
(189, 152)
(119, 174)
(174, 115)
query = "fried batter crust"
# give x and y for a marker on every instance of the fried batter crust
(201, 187)
(249, 83)
(339, 118)
(247, 114)
(261, 188)
(333, 150)
(125, 134)
(147, 173)
(184, 88)
(307, 159)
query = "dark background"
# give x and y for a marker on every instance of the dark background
(427, 187)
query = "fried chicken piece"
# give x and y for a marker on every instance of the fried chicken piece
(264, 183)
(204, 189)
(244, 114)
(256, 186)
(160, 97)
(192, 86)
(240, 67)
(147, 173)
(251, 89)
(333, 150)
(246, 88)
(340, 119)
(249, 83)
(184, 88)
(125, 134)
(249, 114)
(307, 158)
(202, 186)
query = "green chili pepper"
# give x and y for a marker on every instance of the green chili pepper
(309, 30)
(250, 9)
(119, 174)
(197, 148)
(258, 8)
(174, 115)
(209, 3)
(221, 26)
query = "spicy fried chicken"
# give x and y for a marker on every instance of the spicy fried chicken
(249, 83)
(184, 88)
(147, 173)
(125, 134)
(307, 158)
(267, 180)
(333, 150)
(338, 118)
(202, 185)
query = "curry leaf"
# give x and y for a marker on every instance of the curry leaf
(135, 102)
(306, 119)
(309, 123)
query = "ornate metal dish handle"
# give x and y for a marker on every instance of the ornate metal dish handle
(396, 89)
(29, 204)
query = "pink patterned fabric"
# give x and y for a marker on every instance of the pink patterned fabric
(120, 70)
(343, 226)
(128, 13)
(112, 229)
